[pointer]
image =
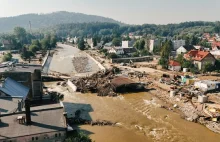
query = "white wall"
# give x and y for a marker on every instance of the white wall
(181, 50)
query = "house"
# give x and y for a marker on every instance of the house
(127, 44)
(207, 85)
(153, 44)
(174, 65)
(200, 58)
(116, 50)
(7, 44)
(184, 49)
(108, 46)
(45, 123)
(178, 43)
(215, 53)
(129, 51)
(215, 45)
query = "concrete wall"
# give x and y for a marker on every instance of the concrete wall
(133, 59)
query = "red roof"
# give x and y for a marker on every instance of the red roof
(197, 55)
(216, 44)
(174, 63)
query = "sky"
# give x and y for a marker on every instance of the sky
(126, 11)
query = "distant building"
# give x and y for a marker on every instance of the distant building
(207, 85)
(178, 43)
(184, 49)
(153, 44)
(127, 44)
(116, 50)
(129, 51)
(174, 65)
(108, 45)
(7, 44)
(215, 53)
(200, 58)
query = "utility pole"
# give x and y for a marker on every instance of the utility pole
(30, 26)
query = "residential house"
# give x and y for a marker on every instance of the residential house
(127, 44)
(178, 43)
(216, 53)
(174, 65)
(108, 46)
(184, 49)
(215, 45)
(7, 44)
(116, 50)
(153, 44)
(200, 58)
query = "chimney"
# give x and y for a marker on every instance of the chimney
(28, 112)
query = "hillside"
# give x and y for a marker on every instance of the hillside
(44, 20)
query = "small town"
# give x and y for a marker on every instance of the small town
(74, 77)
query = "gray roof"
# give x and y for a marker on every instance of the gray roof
(108, 44)
(43, 121)
(9, 104)
(20, 68)
(14, 89)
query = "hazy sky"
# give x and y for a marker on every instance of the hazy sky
(128, 11)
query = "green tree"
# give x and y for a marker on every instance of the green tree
(7, 57)
(94, 40)
(145, 52)
(53, 41)
(112, 55)
(81, 44)
(45, 44)
(79, 137)
(37, 43)
(165, 53)
(116, 41)
(208, 67)
(34, 48)
(20, 34)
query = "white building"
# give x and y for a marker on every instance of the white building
(178, 43)
(153, 44)
(174, 65)
(207, 85)
(184, 49)
(127, 44)
(116, 50)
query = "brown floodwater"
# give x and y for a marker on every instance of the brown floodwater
(139, 119)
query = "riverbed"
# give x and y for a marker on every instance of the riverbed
(138, 116)
(62, 61)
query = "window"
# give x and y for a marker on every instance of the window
(32, 138)
(55, 135)
(59, 134)
(36, 138)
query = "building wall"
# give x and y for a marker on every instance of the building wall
(58, 136)
(181, 50)
(174, 68)
(153, 44)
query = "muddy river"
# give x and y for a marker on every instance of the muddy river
(139, 119)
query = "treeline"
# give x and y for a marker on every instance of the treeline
(106, 29)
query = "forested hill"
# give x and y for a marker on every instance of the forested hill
(7, 24)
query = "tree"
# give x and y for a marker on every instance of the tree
(37, 43)
(79, 137)
(94, 42)
(81, 44)
(53, 41)
(208, 67)
(164, 62)
(165, 53)
(20, 34)
(116, 41)
(145, 53)
(7, 57)
(34, 48)
(180, 59)
(141, 44)
(45, 44)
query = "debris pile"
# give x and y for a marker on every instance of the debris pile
(106, 83)
(81, 64)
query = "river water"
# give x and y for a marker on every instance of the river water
(139, 119)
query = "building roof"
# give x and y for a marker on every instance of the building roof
(14, 89)
(189, 47)
(43, 121)
(129, 50)
(197, 55)
(9, 104)
(108, 44)
(20, 68)
(174, 63)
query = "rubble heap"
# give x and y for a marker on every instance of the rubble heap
(105, 83)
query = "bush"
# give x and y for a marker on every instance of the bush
(7, 57)
(79, 137)
(112, 55)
